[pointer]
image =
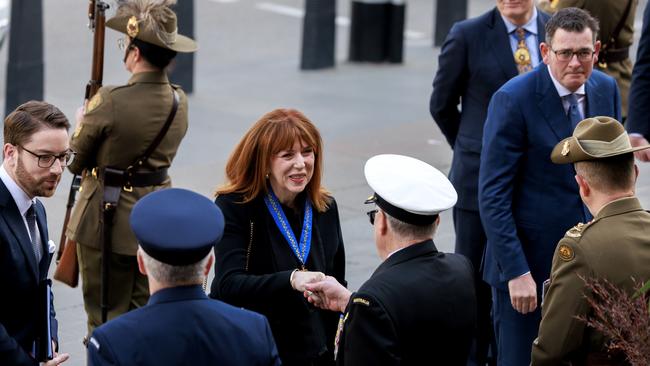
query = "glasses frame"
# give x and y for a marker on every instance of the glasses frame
(587, 58)
(371, 216)
(62, 158)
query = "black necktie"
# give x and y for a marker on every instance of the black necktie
(30, 215)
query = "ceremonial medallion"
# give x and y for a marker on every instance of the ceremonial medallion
(522, 56)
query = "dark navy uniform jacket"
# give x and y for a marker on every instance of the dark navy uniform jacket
(182, 326)
(418, 308)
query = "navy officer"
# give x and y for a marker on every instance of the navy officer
(419, 306)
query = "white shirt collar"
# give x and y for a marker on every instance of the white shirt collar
(20, 197)
(531, 26)
(561, 90)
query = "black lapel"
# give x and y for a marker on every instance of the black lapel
(497, 39)
(550, 104)
(15, 223)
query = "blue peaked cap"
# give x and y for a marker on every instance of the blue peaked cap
(177, 226)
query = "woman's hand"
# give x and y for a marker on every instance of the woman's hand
(299, 279)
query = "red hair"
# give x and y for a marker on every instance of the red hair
(275, 131)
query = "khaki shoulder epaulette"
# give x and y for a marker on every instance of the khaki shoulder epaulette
(578, 230)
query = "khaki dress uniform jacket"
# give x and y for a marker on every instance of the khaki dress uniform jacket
(614, 246)
(609, 14)
(119, 125)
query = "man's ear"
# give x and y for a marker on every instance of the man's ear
(9, 152)
(208, 265)
(545, 50)
(382, 222)
(141, 266)
(585, 190)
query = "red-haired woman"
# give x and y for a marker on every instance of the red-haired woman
(282, 231)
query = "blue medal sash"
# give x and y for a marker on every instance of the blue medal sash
(300, 249)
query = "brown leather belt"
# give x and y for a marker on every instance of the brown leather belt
(614, 55)
(120, 178)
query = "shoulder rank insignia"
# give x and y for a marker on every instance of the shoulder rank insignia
(361, 301)
(576, 231)
(77, 129)
(565, 252)
(94, 102)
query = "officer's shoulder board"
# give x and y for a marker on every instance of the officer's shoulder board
(579, 230)
(92, 342)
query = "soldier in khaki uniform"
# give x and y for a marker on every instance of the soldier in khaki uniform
(614, 246)
(616, 18)
(119, 124)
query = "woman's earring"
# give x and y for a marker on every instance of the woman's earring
(266, 176)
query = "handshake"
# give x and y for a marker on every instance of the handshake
(322, 291)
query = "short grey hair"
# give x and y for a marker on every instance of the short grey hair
(174, 275)
(409, 231)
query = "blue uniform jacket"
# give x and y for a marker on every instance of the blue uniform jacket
(182, 326)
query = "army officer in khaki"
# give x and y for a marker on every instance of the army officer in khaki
(614, 246)
(119, 125)
(616, 19)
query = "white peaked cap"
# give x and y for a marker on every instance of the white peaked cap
(409, 189)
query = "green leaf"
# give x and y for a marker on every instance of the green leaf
(642, 290)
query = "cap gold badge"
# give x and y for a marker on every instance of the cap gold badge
(132, 28)
(565, 148)
(565, 252)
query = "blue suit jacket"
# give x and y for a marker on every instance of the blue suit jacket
(19, 280)
(475, 61)
(527, 203)
(638, 118)
(182, 326)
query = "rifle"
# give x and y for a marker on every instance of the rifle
(67, 270)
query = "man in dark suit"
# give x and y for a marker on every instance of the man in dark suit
(476, 59)
(180, 325)
(638, 120)
(419, 306)
(526, 202)
(35, 152)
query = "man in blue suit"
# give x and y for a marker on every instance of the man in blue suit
(478, 57)
(35, 152)
(180, 325)
(638, 120)
(526, 202)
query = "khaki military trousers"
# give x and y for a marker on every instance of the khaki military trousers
(127, 289)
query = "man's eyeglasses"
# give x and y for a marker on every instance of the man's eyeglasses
(583, 55)
(371, 216)
(47, 160)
